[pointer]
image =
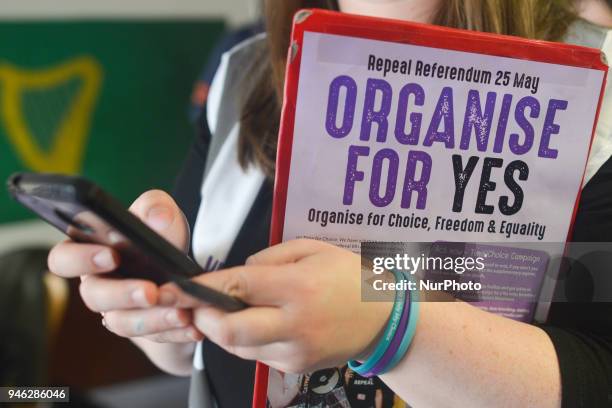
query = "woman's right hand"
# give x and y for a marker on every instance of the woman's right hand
(129, 306)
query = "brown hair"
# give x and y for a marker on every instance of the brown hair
(260, 110)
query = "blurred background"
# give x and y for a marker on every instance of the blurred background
(111, 90)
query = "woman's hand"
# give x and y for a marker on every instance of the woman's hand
(306, 309)
(129, 306)
(307, 314)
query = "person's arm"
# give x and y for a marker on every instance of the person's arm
(309, 294)
(462, 356)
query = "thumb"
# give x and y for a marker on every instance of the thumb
(254, 285)
(159, 211)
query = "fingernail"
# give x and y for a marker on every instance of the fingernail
(173, 318)
(104, 260)
(159, 218)
(140, 298)
(167, 298)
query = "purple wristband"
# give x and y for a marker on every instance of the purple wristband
(395, 342)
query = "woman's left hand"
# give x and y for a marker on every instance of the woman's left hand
(306, 311)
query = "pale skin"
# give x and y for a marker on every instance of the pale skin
(130, 308)
(305, 293)
(596, 11)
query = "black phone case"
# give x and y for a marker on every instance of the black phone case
(61, 200)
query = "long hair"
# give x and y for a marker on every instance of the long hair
(260, 109)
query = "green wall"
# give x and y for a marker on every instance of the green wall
(105, 99)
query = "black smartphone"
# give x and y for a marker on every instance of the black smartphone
(87, 214)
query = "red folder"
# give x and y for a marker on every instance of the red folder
(319, 21)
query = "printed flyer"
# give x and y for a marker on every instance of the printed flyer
(400, 132)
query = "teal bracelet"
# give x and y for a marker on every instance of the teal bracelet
(410, 330)
(385, 341)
